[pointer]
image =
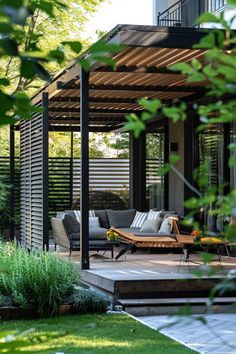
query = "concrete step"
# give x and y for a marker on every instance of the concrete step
(170, 306)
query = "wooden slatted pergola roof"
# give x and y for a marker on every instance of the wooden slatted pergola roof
(141, 71)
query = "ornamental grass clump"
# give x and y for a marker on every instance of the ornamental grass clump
(36, 280)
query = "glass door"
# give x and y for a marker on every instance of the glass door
(155, 152)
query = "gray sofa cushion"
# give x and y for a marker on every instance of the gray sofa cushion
(103, 219)
(151, 225)
(97, 233)
(71, 224)
(120, 218)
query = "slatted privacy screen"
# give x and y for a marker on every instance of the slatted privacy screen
(60, 184)
(104, 175)
(33, 182)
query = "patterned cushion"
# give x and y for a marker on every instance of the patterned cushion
(152, 214)
(151, 225)
(77, 214)
(166, 226)
(139, 219)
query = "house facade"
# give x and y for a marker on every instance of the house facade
(183, 12)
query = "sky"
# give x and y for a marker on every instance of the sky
(113, 12)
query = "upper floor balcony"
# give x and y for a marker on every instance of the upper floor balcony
(185, 12)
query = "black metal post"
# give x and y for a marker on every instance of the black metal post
(84, 181)
(226, 173)
(138, 172)
(191, 153)
(71, 166)
(12, 183)
(45, 171)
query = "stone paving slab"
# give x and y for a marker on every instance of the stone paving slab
(217, 336)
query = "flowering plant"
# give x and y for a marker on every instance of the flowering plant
(111, 235)
(197, 235)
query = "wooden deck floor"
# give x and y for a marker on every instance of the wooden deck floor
(143, 265)
(149, 283)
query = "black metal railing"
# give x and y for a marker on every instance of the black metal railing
(185, 12)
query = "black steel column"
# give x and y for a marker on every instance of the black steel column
(84, 160)
(45, 127)
(138, 172)
(226, 169)
(12, 184)
(71, 167)
(191, 153)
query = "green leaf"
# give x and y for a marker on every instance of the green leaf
(150, 105)
(84, 63)
(43, 73)
(232, 161)
(12, 3)
(28, 69)
(75, 46)
(191, 203)
(57, 55)
(103, 59)
(207, 17)
(46, 6)
(5, 28)
(183, 67)
(206, 42)
(174, 158)
(196, 64)
(8, 47)
(4, 82)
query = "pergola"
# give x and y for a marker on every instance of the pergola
(97, 101)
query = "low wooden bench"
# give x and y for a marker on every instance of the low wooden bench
(135, 241)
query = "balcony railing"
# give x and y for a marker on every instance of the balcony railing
(185, 12)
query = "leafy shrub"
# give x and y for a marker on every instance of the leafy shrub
(88, 301)
(36, 280)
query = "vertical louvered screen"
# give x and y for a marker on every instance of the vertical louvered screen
(5, 175)
(60, 184)
(33, 181)
(155, 142)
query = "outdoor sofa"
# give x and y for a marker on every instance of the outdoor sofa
(159, 224)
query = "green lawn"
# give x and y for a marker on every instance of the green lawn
(94, 334)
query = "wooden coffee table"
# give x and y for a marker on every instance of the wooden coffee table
(206, 243)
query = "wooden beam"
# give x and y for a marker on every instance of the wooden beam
(96, 110)
(133, 88)
(138, 70)
(122, 100)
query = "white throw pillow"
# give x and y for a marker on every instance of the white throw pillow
(166, 226)
(151, 225)
(77, 214)
(139, 219)
(152, 214)
(94, 221)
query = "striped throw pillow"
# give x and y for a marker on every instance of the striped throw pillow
(153, 214)
(139, 219)
(78, 216)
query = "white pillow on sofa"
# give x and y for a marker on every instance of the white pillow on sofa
(153, 214)
(139, 219)
(166, 226)
(77, 214)
(151, 225)
(94, 221)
